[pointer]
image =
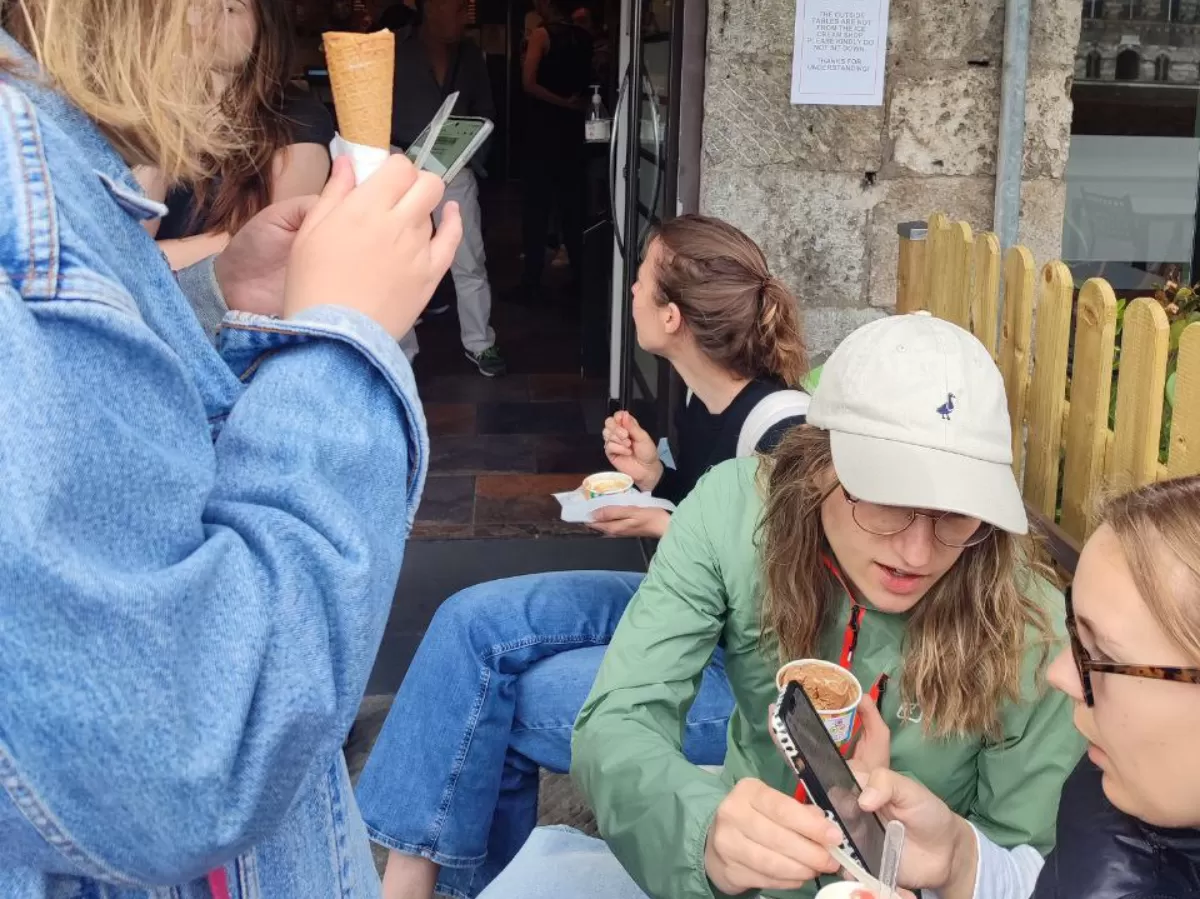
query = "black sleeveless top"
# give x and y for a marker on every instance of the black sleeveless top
(309, 122)
(706, 440)
(565, 69)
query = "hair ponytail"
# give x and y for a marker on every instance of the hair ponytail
(778, 341)
(741, 317)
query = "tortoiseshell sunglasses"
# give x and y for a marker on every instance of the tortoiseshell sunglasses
(1085, 664)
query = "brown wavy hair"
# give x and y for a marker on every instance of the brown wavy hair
(966, 638)
(242, 186)
(1160, 520)
(742, 317)
(138, 69)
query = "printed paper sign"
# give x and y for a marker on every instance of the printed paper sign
(840, 52)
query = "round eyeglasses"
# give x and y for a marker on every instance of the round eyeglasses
(949, 528)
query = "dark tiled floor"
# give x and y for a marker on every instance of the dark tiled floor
(530, 418)
(449, 500)
(450, 419)
(501, 446)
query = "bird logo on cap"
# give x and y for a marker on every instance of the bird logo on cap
(947, 407)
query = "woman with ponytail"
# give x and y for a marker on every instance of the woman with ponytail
(451, 786)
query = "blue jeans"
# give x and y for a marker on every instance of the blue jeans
(491, 697)
(558, 862)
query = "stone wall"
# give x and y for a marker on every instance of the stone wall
(823, 188)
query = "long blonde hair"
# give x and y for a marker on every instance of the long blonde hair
(1160, 520)
(139, 69)
(967, 637)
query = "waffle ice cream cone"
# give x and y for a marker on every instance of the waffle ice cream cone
(361, 68)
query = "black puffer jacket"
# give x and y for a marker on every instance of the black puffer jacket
(1103, 853)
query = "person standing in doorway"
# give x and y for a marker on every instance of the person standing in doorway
(399, 19)
(556, 73)
(434, 62)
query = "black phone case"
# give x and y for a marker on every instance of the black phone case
(817, 793)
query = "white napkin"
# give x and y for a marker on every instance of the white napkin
(576, 509)
(366, 160)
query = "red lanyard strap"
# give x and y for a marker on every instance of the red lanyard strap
(218, 883)
(849, 644)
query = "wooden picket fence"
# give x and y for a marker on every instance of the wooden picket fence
(1065, 454)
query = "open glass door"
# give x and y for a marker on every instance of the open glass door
(643, 173)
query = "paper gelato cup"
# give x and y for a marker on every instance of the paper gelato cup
(839, 722)
(606, 483)
(361, 69)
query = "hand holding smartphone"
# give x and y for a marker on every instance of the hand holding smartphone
(447, 143)
(801, 737)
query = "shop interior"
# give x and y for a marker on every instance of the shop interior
(502, 446)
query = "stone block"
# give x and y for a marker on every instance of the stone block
(827, 326)
(751, 26)
(749, 120)
(769, 26)
(957, 30)
(1047, 124)
(945, 123)
(915, 199)
(1043, 205)
(1054, 33)
(812, 226)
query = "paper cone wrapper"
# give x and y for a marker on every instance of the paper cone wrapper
(361, 69)
(365, 160)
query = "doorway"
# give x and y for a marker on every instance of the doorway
(500, 447)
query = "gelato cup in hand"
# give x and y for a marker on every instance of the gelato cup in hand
(834, 692)
(606, 483)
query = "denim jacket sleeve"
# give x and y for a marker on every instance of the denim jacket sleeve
(187, 624)
(199, 284)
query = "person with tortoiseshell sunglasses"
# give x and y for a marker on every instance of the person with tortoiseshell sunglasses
(1129, 816)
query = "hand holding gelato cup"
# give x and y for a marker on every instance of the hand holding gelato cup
(606, 483)
(834, 692)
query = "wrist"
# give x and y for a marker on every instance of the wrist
(661, 523)
(964, 863)
(650, 481)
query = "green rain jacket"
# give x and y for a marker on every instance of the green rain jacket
(654, 808)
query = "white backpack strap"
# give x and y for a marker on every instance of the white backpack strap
(770, 411)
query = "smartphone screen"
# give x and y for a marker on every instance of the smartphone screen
(820, 760)
(457, 138)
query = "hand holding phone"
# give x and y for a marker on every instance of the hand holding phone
(762, 839)
(801, 737)
(448, 143)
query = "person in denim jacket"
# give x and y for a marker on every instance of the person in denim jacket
(201, 529)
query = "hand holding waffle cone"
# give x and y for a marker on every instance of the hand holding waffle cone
(361, 70)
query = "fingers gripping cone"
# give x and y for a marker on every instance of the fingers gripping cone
(361, 69)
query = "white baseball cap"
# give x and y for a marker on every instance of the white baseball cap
(917, 416)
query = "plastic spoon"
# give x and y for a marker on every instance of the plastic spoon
(889, 865)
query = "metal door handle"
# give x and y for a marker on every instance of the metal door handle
(655, 122)
(622, 95)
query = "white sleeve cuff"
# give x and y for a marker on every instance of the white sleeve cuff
(1005, 873)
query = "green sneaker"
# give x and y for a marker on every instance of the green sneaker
(489, 362)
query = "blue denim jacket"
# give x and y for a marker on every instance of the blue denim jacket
(198, 549)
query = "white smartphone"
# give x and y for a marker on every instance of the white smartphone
(459, 138)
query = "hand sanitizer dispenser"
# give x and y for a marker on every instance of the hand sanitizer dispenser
(598, 127)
